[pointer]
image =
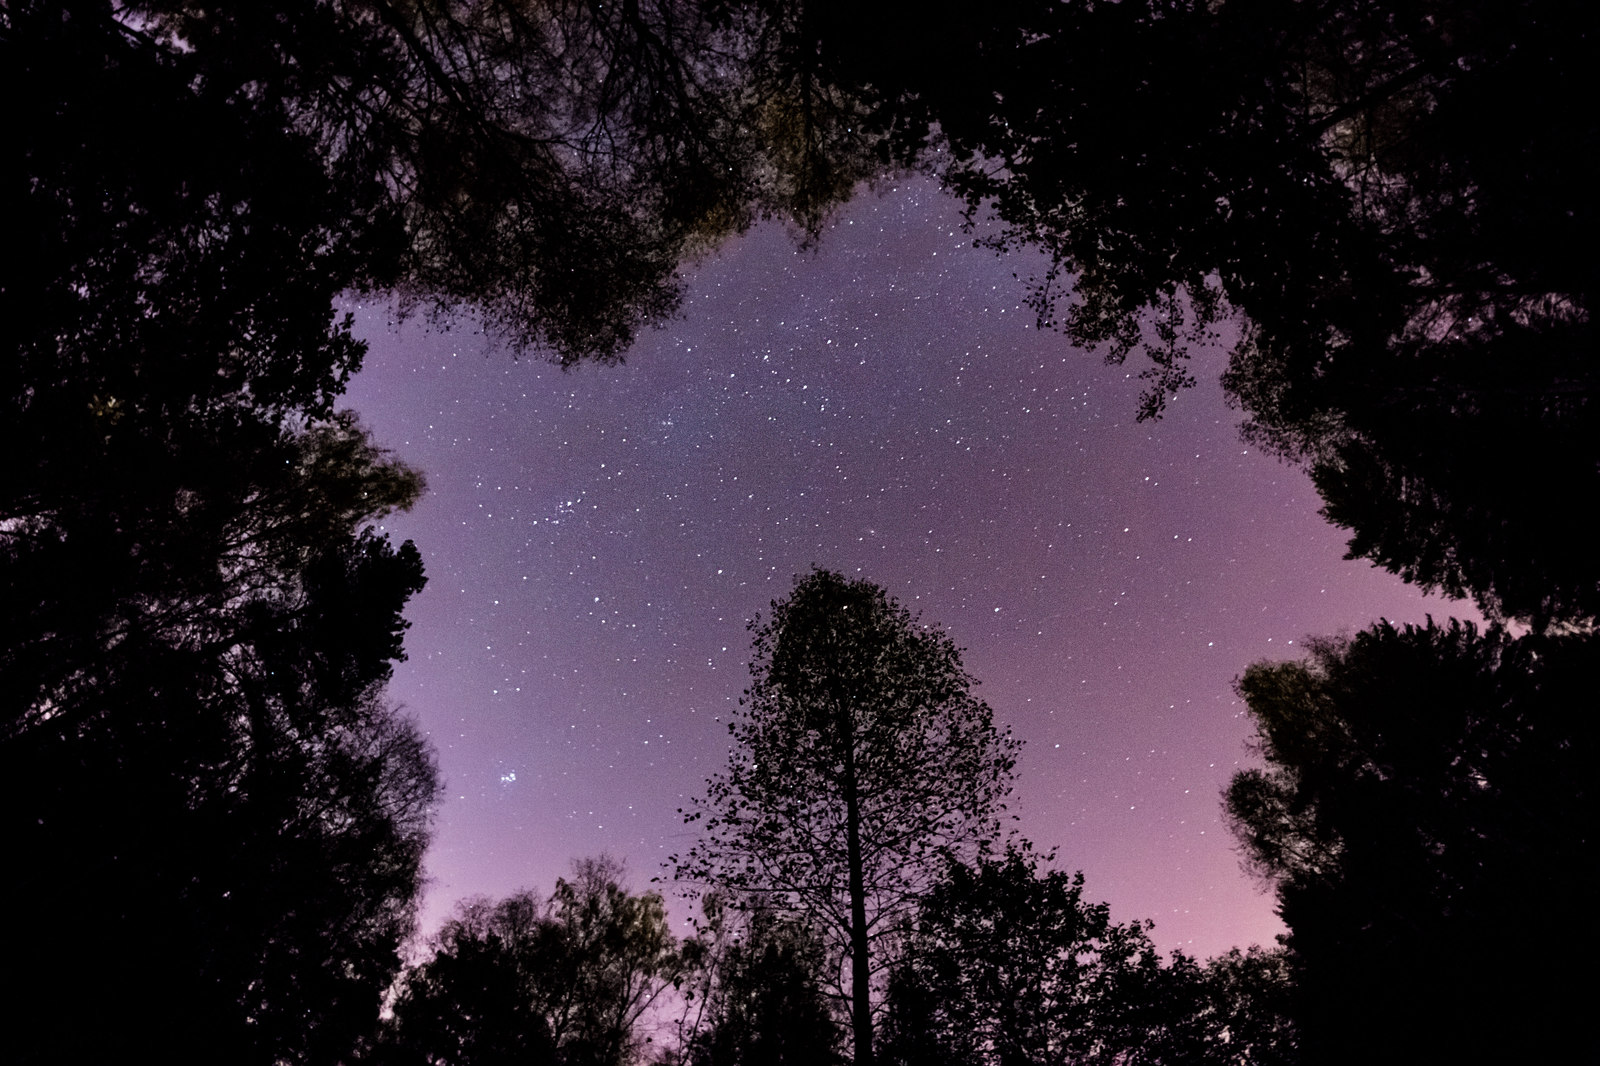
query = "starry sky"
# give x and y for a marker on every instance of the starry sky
(883, 405)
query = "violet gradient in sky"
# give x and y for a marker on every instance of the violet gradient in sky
(596, 541)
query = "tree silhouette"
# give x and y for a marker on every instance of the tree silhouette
(1423, 785)
(564, 980)
(1382, 190)
(1006, 964)
(232, 838)
(209, 804)
(761, 1000)
(1385, 194)
(860, 758)
(550, 168)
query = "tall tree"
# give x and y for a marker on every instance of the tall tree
(208, 802)
(1425, 787)
(859, 759)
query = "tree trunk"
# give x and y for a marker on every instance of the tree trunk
(860, 961)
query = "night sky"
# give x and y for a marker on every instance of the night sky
(596, 541)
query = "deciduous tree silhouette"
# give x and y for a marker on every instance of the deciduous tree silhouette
(548, 166)
(209, 804)
(860, 758)
(1424, 786)
(1006, 964)
(1386, 194)
(564, 980)
(761, 1000)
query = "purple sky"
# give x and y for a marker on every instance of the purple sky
(597, 539)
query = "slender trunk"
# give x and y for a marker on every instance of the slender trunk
(860, 968)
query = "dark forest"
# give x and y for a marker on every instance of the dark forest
(215, 815)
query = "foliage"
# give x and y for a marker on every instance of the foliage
(550, 166)
(1382, 196)
(212, 811)
(1233, 1010)
(760, 1001)
(1423, 784)
(860, 758)
(1007, 964)
(206, 794)
(564, 981)
(1383, 191)
(177, 245)
(469, 1003)
(1004, 965)
(207, 739)
(1387, 195)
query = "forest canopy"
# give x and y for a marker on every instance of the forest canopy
(206, 789)
(1394, 198)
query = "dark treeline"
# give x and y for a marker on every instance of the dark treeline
(1003, 962)
(216, 821)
